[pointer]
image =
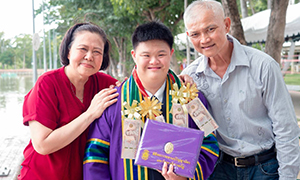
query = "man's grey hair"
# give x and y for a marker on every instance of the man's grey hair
(192, 11)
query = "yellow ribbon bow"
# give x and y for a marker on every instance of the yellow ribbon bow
(178, 94)
(150, 107)
(131, 111)
(191, 91)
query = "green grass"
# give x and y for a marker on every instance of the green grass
(292, 79)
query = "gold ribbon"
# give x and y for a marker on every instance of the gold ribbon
(178, 95)
(150, 107)
(191, 92)
(131, 111)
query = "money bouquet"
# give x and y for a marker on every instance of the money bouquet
(185, 101)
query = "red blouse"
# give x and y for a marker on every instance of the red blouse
(52, 103)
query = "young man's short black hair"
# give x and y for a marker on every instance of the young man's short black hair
(153, 30)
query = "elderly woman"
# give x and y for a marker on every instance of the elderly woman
(64, 102)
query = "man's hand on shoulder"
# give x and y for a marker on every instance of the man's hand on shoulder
(185, 79)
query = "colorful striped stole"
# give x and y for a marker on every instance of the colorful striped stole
(131, 90)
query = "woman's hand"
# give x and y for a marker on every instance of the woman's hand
(46, 141)
(185, 79)
(101, 101)
(169, 174)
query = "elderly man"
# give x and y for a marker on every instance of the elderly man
(258, 132)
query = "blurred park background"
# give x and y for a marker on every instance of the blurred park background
(251, 25)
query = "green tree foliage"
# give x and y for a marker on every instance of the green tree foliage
(6, 58)
(4, 43)
(258, 5)
(16, 54)
(117, 17)
(23, 51)
(170, 12)
(6, 52)
(254, 6)
(100, 12)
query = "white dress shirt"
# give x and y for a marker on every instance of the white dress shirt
(159, 93)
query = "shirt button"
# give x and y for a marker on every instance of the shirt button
(225, 100)
(228, 119)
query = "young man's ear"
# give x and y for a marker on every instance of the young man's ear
(133, 55)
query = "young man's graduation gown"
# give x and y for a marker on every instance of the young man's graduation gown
(103, 150)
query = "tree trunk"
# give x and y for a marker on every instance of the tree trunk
(231, 11)
(275, 35)
(40, 61)
(251, 7)
(15, 62)
(120, 45)
(24, 58)
(269, 4)
(244, 8)
(113, 67)
(126, 72)
(174, 64)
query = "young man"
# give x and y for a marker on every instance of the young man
(258, 133)
(152, 50)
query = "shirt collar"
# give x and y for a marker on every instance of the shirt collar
(239, 56)
(203, 64)
(159, 93)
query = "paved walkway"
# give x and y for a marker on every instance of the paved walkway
(11, 155)
(293, 87)
(296, 102)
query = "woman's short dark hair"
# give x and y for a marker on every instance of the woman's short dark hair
(69, 39)
(154, 30)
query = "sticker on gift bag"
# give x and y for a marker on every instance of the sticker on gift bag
(201, 116)
(130, 138)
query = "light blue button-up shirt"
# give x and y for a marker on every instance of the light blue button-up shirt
(252, 106)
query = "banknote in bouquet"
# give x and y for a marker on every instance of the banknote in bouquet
(130, 138)
(162, 142)
(201, 116)
(180, 117)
